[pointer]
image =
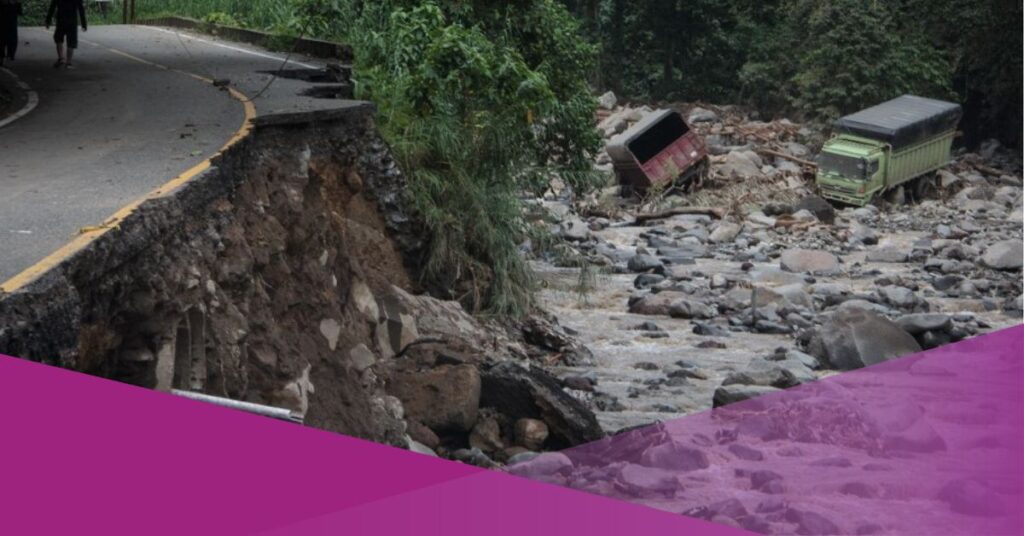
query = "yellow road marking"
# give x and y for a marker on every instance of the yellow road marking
(88, 234)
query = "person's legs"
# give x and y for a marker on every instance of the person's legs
(58, 37)
(72, 38)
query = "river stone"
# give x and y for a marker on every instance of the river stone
(972, 498)
(1005, 255)
(730, 394)
(531, 433)
(916, 324)
(811, 261)
(657, 304)
(521, 392)
(821, 209)
(691, 309)
(643, 263)
(725, 232)
(445, 398)
(639, 480)
(675, 456)
(887, 254)
(854, 338)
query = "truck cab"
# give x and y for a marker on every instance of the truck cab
(851, 169)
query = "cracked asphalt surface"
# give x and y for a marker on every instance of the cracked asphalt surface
(115, 128)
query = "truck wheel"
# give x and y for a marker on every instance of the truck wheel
(924, 188)
(896, 196)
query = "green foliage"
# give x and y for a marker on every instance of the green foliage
(844, 55)
(816, 58)
(476, 113)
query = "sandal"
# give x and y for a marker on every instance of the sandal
(58, 64)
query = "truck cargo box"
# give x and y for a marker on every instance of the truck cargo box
(903, 121)
(659, 149)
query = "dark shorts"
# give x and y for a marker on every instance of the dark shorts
(66, 31)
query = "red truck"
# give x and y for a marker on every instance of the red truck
(659, 151)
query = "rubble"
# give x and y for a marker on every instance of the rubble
(796, 286)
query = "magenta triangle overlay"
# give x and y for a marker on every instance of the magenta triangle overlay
(931, 443)
(83, 455)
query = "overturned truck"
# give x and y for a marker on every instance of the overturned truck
(661, 151)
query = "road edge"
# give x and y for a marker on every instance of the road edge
(31, 98)
(88, 235)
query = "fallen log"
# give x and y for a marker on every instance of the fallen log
(716, 213)
(788, 157)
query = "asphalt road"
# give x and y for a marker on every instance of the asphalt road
(115, 128)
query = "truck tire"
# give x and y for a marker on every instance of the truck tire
(896, 196)
(924, 188)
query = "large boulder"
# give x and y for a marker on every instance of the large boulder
(445, 399)
(821, 209)
(811, 261)
(659, 304)
(1005, 255)
(741, 164)
(519, 392)
(854, 338)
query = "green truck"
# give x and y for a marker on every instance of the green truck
(887, 148)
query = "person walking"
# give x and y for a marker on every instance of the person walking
(69, 14)
(9, 12)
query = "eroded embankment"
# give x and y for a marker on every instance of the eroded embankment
(248, 282)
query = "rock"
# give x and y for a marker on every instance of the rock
(674, 456)
(708, 329)
(916, 324)
(780, 374)
(691, 309)
(701, 115)
(420, 448)
(540, 466)
(759, 480)
(421, 434)
(640, 481)
(741, 164)
(364, 301)
(809, 261)
(859, 489)
(644, 262)
(445, 399)
(486, 435)
(821, 209)
(917, 437)
(361, 358)
(725, 232)
(855, 338)
(579, 383)
(759, 219)
(520, 392)
(810, 523)
(901, 298)
(531, 433)
(744, 452)
(474, 456)
(646, 281)
(657, 304)
(608, 101)
(575, 230)
(1005, 255)
(887, 254)
(972, 498)
(730, 394)
(331, 330)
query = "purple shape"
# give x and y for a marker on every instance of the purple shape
(82, 455)
(927, 444)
